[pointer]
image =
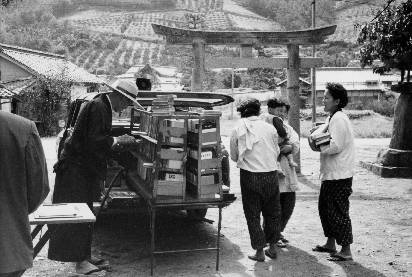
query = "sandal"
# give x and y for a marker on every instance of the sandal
(270, 254)
(323, 249)
(281, 244)
(336, 257)
(256, 258)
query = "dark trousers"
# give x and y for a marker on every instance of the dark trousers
(287, 205)
(13, 274)
(260, 195)
(334, 210)
(72, 242)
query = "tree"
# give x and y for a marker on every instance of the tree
(227, 81)
(46, 101)
(389, 39)
(195, 20)
(293, 14)
(5, 3)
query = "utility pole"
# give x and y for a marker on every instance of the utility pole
(313, 69)
(233, 86)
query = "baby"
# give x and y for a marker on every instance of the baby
(284, 140)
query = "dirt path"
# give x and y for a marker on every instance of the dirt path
(381, 211)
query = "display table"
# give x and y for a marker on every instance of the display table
(188, 204)
(55, 214)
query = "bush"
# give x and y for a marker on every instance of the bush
(383, 107)
(227, 81)
(46, 101)
(112, 43)
(61, 8)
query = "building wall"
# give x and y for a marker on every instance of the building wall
(355, 96)
(10, 71)
(77, 90)
(5, 105)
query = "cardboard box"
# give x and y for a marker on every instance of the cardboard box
(170, 188)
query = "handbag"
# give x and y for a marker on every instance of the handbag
(319, 137)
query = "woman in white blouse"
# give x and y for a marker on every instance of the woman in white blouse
(337, 161)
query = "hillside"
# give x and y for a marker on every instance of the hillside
(139, 44)
(108, 37)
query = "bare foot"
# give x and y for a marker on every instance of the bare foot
(86, 268)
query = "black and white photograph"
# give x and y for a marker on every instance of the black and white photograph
(210, 138)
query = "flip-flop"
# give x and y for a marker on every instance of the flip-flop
(270, 254)
(96, 260)
(281, 244)
(339, 258)
(284, 240)
(319, 248)
(255, 258)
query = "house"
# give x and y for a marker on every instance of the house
(163, 78)
(8, 97)
(21, 64)
(304, 87)
(361, 83)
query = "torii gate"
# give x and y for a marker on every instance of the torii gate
(246, 39)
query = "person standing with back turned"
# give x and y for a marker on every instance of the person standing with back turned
(254, 147)
(23, 187)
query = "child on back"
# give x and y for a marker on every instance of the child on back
(276, 109)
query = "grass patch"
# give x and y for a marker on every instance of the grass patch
(373, 126)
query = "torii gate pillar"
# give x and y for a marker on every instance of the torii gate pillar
(198, 70)
(246, 39)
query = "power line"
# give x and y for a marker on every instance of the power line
(387, 6)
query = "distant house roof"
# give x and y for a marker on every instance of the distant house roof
(18, 85)
(283, 82)
(352, 78)
(47, 64)
(162, 71)
(5, 93)
(164, 78)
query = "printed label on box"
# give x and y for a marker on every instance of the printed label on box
(173, 177)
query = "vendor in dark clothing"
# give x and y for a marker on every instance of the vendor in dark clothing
(79, 171)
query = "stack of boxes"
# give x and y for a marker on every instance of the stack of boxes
(163, 104)
(185, 155)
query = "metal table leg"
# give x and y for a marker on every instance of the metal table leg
(43, 240)
(152, 234)
(36, 230)
(219, 226)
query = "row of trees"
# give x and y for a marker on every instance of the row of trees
(292, 14)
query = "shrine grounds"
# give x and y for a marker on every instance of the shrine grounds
(381, 212)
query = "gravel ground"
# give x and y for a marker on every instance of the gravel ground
(381, 211)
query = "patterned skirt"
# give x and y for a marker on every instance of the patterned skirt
(334, 210)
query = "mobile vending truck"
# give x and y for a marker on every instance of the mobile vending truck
(178, 163)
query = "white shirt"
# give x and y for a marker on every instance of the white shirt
(263, 154)
(337, 161)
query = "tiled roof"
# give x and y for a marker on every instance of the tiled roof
(47, 64)
(18, 85)
(6, 93)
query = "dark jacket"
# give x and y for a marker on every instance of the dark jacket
(23, 187)
(89, 145)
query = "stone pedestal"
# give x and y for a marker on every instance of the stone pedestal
(396, 161)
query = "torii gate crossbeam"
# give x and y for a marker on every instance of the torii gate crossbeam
(246, 39)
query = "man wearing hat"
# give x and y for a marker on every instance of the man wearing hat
(254, 147)
(80, 169)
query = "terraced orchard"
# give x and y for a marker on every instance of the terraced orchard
(128, 53)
